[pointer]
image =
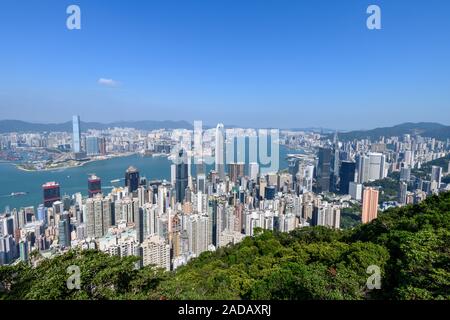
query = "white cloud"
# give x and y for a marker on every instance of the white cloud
(107, 82)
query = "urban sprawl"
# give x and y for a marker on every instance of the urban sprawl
(167, 223)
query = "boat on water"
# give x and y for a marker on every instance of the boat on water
(159, 155)
(115, 180)
(17, 194)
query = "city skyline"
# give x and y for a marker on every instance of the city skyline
(244, 63)
(235, 150)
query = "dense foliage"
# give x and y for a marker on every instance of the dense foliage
(389, 189)
(410, 245)
(350, 217)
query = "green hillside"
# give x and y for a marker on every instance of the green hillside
(410, 245)
(425, 129)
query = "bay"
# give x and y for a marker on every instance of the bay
(73, 180)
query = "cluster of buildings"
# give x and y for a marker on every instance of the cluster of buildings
(167, 223)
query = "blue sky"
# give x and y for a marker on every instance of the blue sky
(274, 63)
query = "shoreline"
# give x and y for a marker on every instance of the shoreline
(80, 164)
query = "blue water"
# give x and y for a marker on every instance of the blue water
(73, 180)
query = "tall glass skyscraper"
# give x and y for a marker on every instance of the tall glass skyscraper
(132, 179)
(220, 151)
(181, 176)
(346, 175)
(324, 170)
(76, 139)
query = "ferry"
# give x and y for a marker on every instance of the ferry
(16, 194)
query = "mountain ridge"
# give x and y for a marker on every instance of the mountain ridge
(7, 126)
(425, 129)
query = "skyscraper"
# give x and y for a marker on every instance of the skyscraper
(23, 249)
(139, 222)
(269, 192)
(355, 190)
(42, 213)
(64, 230)
(362, 163)
(335, 163)
(253, 171)
(102, 145)
(369, 205)
(326, 215)
(155, 251)
(92, 146)
(220, 151)
(94, 185)
(376, 166)
(213, 216)
(346, 175)
(405, 174)
(402, 193)
(436, 175)
(132, 179)
(182, 175)
(324, 170)
(236, 170)
(51, 193)
(293, 166)
(371, 167)
(98, 216)
(76, 138)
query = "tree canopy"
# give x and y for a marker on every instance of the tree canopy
(409, 245)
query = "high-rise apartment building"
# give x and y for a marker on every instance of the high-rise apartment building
(155, 251)
(98, 216)
(326, 215)
(369, 205)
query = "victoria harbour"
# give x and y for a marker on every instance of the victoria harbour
(73, 180)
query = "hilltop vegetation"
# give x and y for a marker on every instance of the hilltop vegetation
(410, 245)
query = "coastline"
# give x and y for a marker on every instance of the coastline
(79, 164)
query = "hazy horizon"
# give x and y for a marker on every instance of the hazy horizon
(212, 125)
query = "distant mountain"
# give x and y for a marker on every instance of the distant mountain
(22, 126)
(425, 129)
(314, 130)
